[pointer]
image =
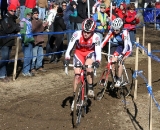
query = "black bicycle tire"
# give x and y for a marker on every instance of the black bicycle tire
(131, 81)
(85, 100)
(76, 99)
(125, 90)
(102, 87)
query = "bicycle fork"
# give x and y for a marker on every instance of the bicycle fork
(125, 82)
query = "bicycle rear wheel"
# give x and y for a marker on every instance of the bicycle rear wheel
(102, 86)
(127, 83)
(78, 106)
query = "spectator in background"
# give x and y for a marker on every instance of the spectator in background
(52, 13)
(131, 20)
(96, 6)
(50, 5)
(101, 19)
(59, 26)
(150, 5)
(82, 13)
(27, 42)
(50, 20)
(4, 5)
(22, 8)
(37, 27)
(30, 4)
(17, 4)
(157, 6)
(70, 12)
(8, 26)
(14, 2)
(121, 11)
(42, 5)
(114, 13)
(64, 6)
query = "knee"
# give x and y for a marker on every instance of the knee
(90, 73)
(77, 76)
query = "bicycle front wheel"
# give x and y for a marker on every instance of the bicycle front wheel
(78, 106)
(127, 83)
(102, 86)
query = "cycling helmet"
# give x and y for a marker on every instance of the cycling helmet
(117, 24)
(88, 25)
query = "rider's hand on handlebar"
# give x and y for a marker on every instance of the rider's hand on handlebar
(66, 62)
(120, 57)
(96, 64)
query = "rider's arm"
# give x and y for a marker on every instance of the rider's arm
(75, 36)
(98, 48)
(94, 7)
(127, 42)
(106, 39)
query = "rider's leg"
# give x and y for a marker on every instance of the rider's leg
(90, 78)
(76, 78)
(75, 83)
(120, 70)
(114, 72)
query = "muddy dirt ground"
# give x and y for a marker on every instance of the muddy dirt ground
(43, 102)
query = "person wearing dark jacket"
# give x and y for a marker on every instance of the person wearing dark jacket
(69, 18)
(82, 13)
(4, 6)
(59, 26)
(8, 26)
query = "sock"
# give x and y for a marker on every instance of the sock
(90, 86)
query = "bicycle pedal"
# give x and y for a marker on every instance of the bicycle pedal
(99, 98)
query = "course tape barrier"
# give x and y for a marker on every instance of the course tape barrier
(154, 57)
(34, 56)
(33, 34)
(149, 88)
(52, 33)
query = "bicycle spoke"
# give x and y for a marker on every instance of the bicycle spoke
(102, 87)
(77, 107)
(127, 82)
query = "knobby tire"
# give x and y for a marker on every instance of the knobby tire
(125, 90)
(77, 111)
(102, 87)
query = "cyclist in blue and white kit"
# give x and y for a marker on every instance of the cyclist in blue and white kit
(121, 46)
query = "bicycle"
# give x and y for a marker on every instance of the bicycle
(104, 85)
(81, 98)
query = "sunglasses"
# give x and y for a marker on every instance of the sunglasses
(116, 30)
(36, 13)
(86, 32)
(64, 5)
(102, 7)
(12, 11)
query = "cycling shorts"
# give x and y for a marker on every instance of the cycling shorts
(80, 57)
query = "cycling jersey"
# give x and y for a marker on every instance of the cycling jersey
(121, 39)
(84, 48)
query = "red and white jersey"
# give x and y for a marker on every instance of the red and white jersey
(90, 45)
(120, 39)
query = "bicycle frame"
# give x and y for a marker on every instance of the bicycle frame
(80, 100)
(125, 87)
(83, 80)
(108, 70)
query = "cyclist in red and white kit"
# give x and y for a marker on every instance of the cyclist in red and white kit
(120, 46)
(87, 52)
